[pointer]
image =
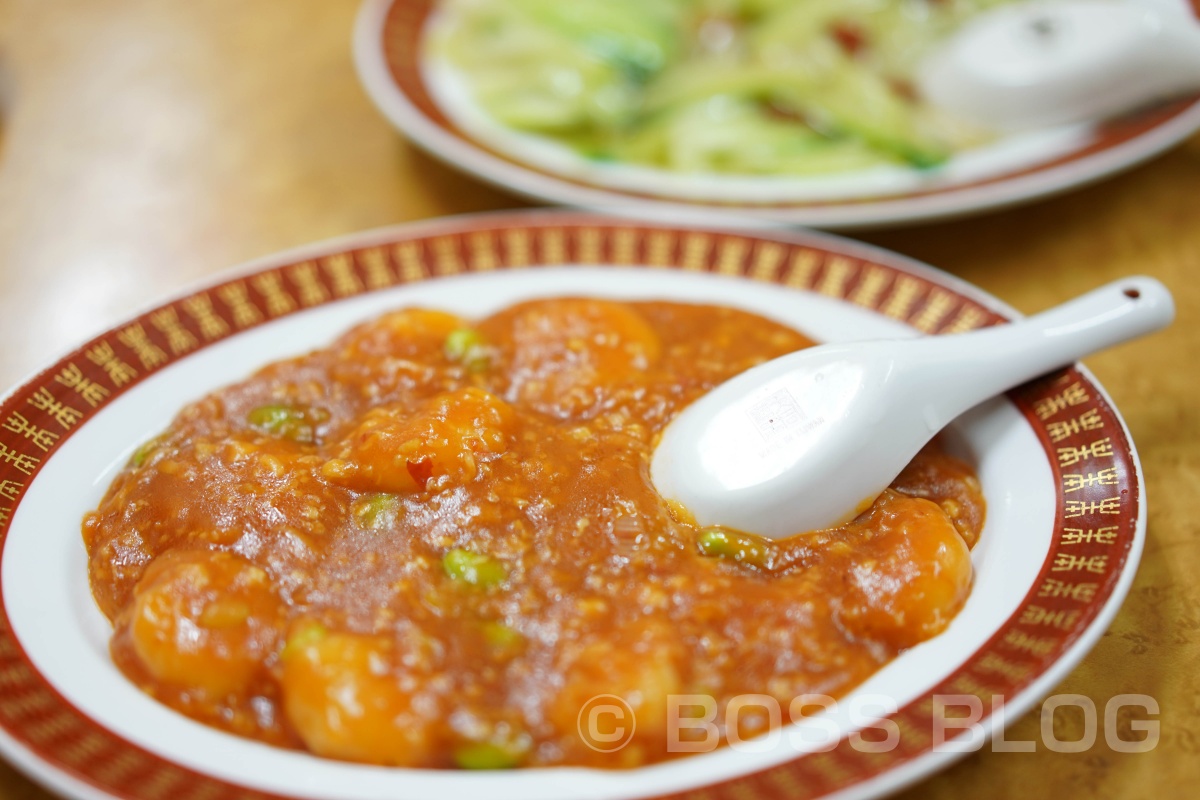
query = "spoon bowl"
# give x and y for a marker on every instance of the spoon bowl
(809, 440)
(1040, 64)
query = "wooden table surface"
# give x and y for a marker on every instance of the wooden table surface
(145, 145)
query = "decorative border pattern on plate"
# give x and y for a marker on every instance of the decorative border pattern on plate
(1089, 454)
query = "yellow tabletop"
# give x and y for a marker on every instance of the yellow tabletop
(147, 144)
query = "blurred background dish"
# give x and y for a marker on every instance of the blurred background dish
(797, 112)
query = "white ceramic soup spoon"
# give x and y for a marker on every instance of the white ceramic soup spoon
(1049, 63)
(805, 441)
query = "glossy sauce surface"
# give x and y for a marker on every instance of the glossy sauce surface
(432, 543)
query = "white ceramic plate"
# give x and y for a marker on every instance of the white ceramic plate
(427, 100)
(1054, 458)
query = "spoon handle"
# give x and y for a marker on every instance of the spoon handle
(975, 366)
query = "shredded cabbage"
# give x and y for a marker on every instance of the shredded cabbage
(713, 86)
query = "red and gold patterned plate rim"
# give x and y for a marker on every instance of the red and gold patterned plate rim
(1099, 517)
(388, 51)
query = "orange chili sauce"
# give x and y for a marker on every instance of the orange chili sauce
(431, 543)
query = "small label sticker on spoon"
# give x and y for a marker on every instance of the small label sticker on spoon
(776, 415)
